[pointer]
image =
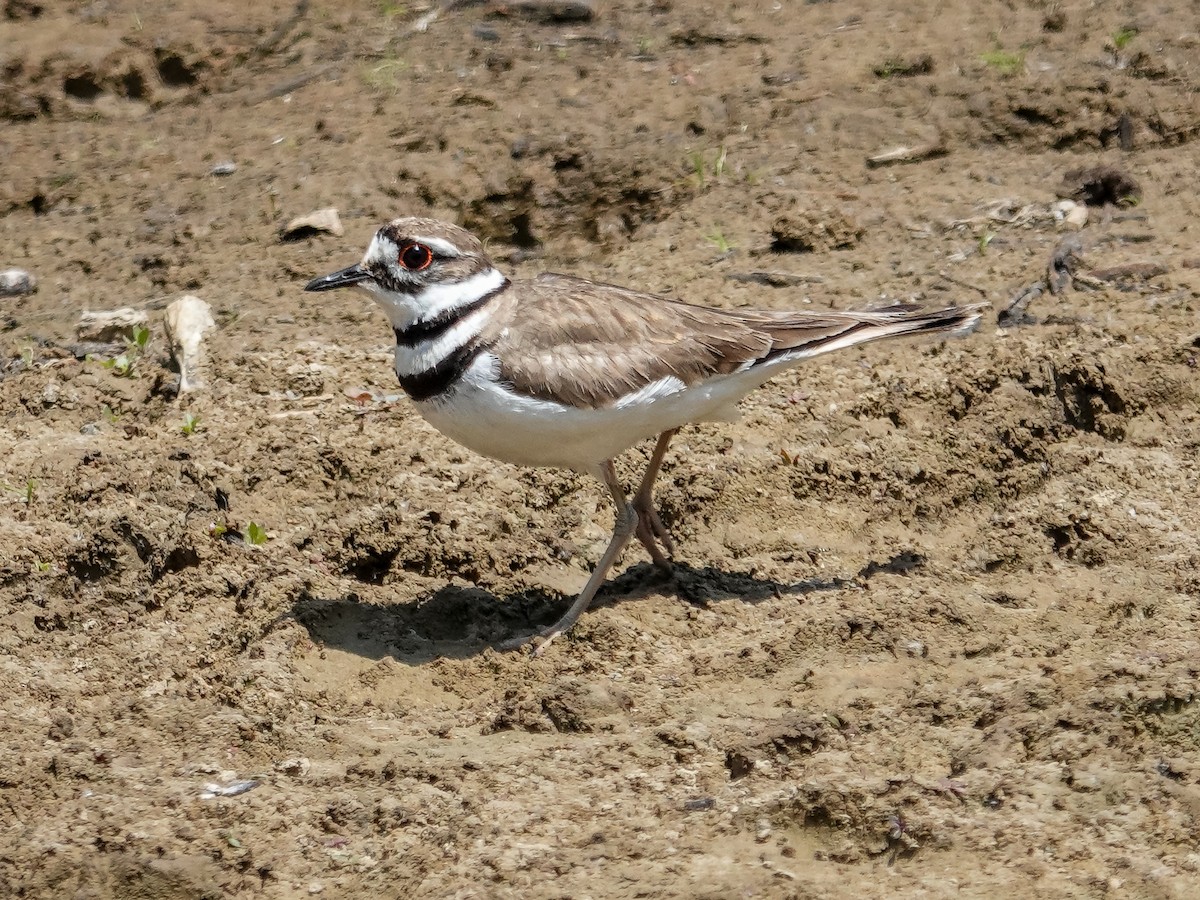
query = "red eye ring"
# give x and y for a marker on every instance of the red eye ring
(415, 257)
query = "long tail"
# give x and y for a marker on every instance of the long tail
(796, 337)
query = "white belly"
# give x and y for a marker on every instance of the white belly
(482, 416)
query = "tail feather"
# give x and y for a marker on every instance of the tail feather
(802, 338)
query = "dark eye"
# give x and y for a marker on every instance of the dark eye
(415, 257)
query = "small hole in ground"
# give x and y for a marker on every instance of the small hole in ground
(82, 87)
(174, 72)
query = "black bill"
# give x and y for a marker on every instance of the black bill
(347, 277)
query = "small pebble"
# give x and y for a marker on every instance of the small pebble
(15, 282)
(297, 765)
(228, 790)
(764, 831)
(90, 428)
(320, 220)
(224, 168)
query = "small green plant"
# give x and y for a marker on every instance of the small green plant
(27, 356)
(717, 238)
(191, 424)
(31, 487)
(702, 169)
(218, 529)
(123, 364)
(1004, 62)
(141, 337)
(984, 239)
(256, 535)
(645, 46)
(385, 75)
(389, 9)
(111, 416)
(1124, 36)
(40, 566)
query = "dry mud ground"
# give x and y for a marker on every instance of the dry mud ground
(934, 630)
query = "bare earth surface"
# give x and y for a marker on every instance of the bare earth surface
(934, 630)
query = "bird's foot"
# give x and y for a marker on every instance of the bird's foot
(534, 644)
(652, 533)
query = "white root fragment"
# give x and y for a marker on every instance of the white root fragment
(919, 153)
(1072, 213)
(111, 326)
(187, 320)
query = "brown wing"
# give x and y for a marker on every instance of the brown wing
(588, 344)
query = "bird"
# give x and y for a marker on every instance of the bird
(561, 371)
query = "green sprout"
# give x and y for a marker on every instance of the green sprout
(256, 535)
(122, 365)
(385, 76)
(719, 162)
(141, 337)
(1124, 36)
(191, 424)
(702, 169)
(717, 238)
(1003, 61)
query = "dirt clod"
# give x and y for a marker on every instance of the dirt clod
(1101, 186)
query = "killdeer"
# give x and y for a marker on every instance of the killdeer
(562, 371)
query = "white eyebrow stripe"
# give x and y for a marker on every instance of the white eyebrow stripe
(439, 246)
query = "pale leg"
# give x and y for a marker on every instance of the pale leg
(650, 528)
(622, 532)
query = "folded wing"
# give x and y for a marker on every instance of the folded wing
(590, 344)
